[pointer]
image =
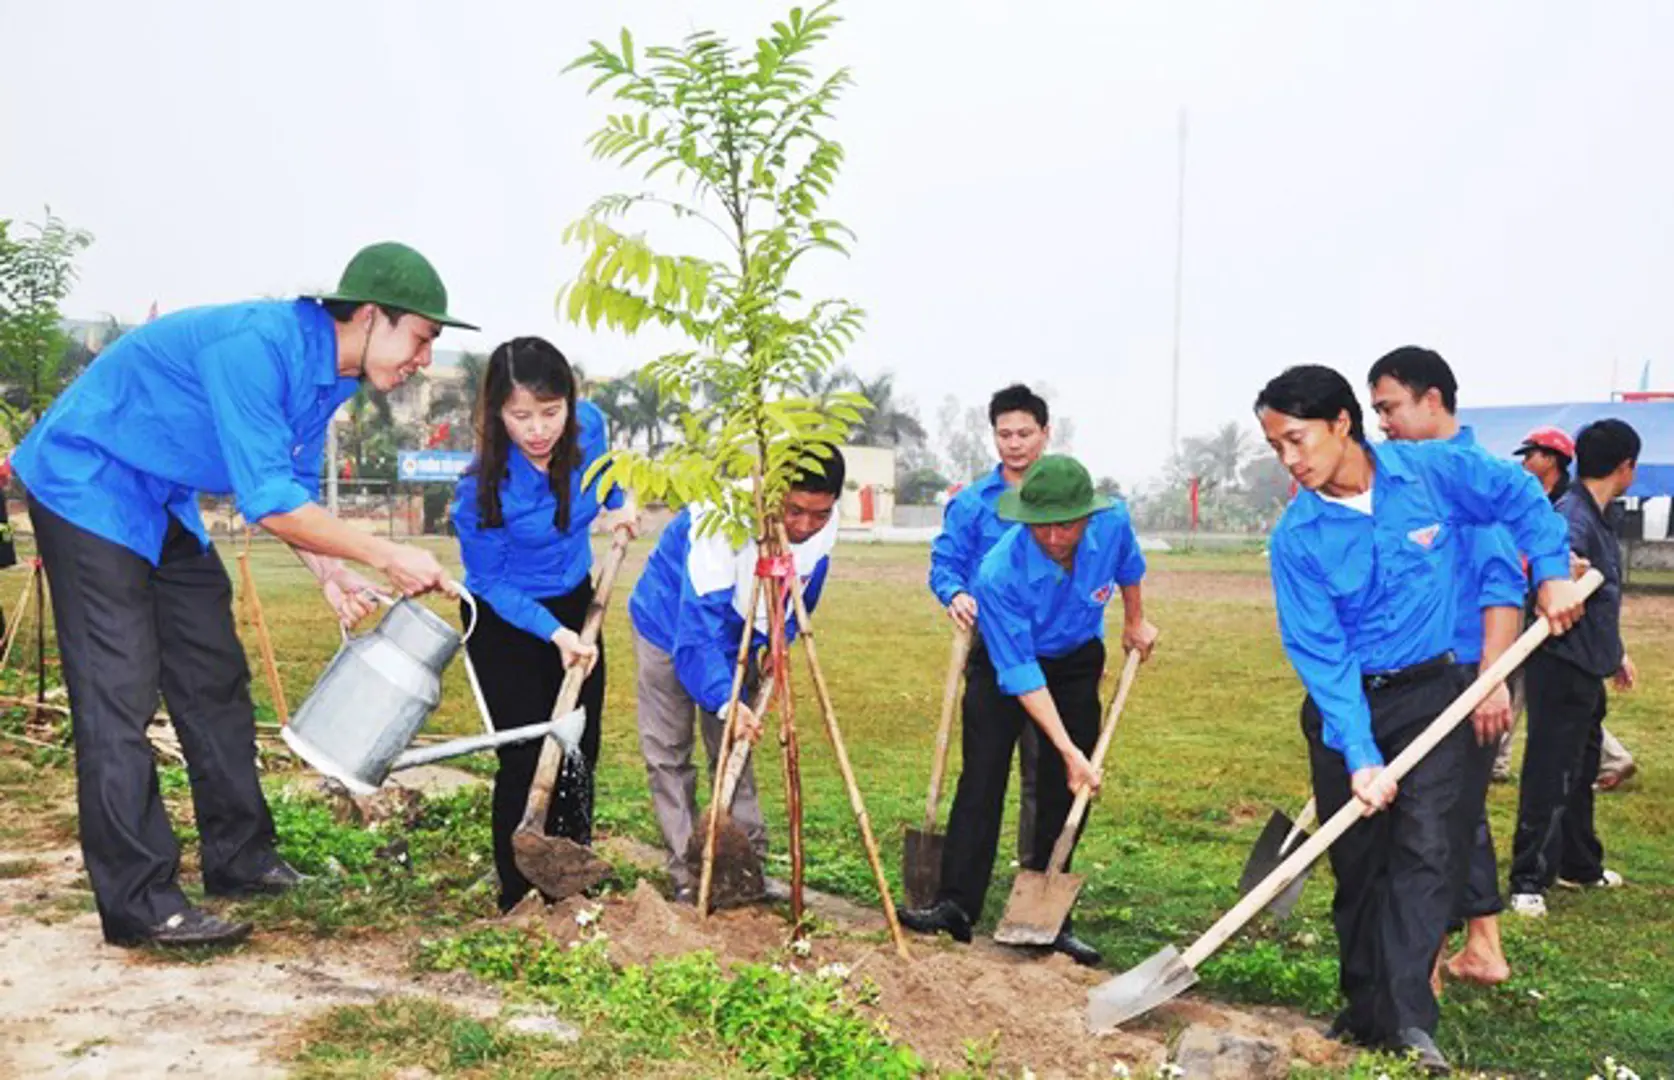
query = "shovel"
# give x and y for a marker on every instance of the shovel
(1171, 972)
(1275, 842)
(921, 857)
(1040, 902)
(736, 876)
(557, 865)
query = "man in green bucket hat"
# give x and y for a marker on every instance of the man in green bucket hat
(228, 399)
(1042, 591)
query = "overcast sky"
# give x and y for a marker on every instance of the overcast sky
(1495, 180)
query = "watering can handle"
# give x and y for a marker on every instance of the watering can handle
(452, 588)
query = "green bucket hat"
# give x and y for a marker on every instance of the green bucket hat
(396, 276)
(1056, 489)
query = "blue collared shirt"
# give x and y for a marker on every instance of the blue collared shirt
(1490, 574)
(689, 601)
(527, 557)
(970, 529)
(1359, 594)
(234, 398)
(1032, 609)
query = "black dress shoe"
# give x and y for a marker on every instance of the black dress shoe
(279, 878)
(1343, 1030)
(1417, 1044)
(191, 928)
(943, 917)
(1076, 949)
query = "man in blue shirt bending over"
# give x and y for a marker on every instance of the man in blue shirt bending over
(1042, 593)
(688, 613)
(1365, 579)
(970, 529)
(233, 399)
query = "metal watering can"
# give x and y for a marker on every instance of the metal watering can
(379, 689)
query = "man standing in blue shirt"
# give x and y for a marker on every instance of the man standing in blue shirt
(219, 399)
(1365, 572)
(688, 611)
(1414, 394)
(970, 529)
(1555, 839)
(1042, 593)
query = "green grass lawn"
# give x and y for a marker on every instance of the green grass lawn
(1208, 745)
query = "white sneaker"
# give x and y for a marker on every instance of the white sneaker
(1608, 880)
(1529, 905)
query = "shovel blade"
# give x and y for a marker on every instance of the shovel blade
(1037, 909)
(557, 866)
(1137, 991)
(921, 866)
(1265, 857)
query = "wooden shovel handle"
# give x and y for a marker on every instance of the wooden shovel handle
(552, 753)
(1066, 839)
(1303, 820)
(950, 698)
(1352, 811)
(739, 755)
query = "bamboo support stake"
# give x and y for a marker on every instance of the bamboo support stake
(20, 610)
(791, 747)
(707, 875)
(269, 664)
(806, 629)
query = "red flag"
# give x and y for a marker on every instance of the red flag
(1192, 491)
(440, 435)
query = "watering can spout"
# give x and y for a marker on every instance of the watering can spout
(566, 729)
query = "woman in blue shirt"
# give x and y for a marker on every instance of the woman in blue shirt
(522, 515)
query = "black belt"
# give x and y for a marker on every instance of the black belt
(1384, 680)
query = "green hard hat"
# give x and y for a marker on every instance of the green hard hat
(394, 275)
(1056, 489)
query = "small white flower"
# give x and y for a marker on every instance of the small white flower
(1120, 1071)
(1172, 1071)
(1383, 1076)
(802, 947)
(588, 916)
(1307, 939)
(778, 969)
(834, 971)
(1028, 1073)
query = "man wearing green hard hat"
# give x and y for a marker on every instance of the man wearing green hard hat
(227, 399)
(1042, 590)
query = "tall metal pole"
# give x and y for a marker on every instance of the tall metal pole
(1179, 278)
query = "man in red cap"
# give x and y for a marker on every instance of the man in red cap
(1547, 453)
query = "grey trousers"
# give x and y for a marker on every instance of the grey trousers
(1613, 757)
(666, 739)
(127, 630)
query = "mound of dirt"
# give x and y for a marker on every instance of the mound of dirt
(951, 1003)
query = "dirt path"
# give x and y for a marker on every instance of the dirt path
(72, 1006)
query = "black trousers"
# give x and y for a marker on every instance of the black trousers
(992, 722)
(1555, 835)
(1476, 866)
(520, 676)
(128, 630)
(1395, 875)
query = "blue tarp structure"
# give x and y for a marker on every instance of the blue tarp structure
(1501, 430)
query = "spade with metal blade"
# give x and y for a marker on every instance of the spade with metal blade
(1040, 902)
(1170, 972)
(1276, 841)
(921, 856)
(736, 875)
(557, 865)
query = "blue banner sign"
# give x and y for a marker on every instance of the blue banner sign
(432, 466)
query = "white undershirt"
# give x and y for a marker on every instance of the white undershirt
(1361, 502)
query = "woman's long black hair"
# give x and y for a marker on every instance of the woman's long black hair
(537, 366)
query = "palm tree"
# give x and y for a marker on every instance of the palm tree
(1218, 460)
(887, 423)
